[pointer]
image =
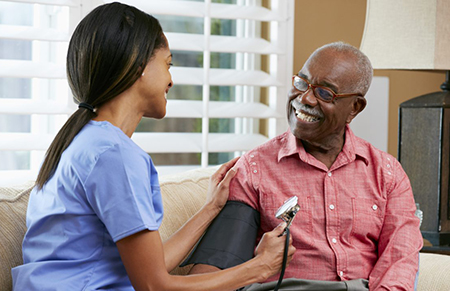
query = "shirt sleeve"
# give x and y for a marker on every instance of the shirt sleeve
(242, 186)
(123, 191)
(400, 239)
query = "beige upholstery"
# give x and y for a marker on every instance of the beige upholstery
(183, 194)
(434, 272)
(13, 207)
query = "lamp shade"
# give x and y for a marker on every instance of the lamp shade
(407, 34)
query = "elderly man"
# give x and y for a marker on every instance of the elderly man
(356, 217)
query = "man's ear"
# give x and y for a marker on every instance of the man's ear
(358, 105)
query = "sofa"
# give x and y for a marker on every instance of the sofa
(183, 194)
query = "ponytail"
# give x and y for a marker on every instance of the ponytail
(62, 140)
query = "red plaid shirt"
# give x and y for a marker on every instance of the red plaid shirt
(356, 219)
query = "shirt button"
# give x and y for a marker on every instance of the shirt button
(331, 206)
(251, 156)
(255, 171)
(334, 240)
(329, 174)
(374, 207)
(341, 273)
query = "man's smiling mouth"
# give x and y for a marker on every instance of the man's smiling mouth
(306, 117)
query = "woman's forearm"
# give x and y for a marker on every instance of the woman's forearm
(230, 279)
(181, 242)
(143, 256)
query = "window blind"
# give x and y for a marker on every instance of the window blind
(34, 97)
(49, 102)
(246, 75)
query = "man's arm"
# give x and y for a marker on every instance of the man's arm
(230, 240)
(242, 190)
(400, 239)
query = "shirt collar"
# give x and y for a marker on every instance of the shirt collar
(290, 145)
(353, 147)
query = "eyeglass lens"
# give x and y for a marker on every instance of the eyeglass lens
(320, 92)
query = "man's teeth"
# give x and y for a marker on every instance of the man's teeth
(305, 117)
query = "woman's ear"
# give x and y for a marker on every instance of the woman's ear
(141, 71)
(358, 105)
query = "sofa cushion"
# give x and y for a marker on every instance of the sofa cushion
(13, 207)
(183, 195)
(433, 272)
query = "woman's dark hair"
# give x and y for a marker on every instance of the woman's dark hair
(107, 53)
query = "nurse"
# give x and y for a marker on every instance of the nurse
(94, 214)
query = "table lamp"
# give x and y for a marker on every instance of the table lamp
(415, 35)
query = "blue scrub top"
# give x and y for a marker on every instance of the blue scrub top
(105, 188)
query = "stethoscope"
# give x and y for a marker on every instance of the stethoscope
(286, 213)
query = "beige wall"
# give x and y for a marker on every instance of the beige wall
(318, 22)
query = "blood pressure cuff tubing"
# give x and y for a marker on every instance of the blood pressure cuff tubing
(230, 239)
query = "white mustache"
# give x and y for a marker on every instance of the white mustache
(307, 109)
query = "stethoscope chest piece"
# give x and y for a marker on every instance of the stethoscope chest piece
(288, 210)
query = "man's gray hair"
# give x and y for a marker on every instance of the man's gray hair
(365, 70)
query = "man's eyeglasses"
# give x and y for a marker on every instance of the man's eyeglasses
(323, 93)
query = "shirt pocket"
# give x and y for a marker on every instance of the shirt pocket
(301, 228)
(367, 223)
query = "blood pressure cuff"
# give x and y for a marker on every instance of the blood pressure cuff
(230, 239)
